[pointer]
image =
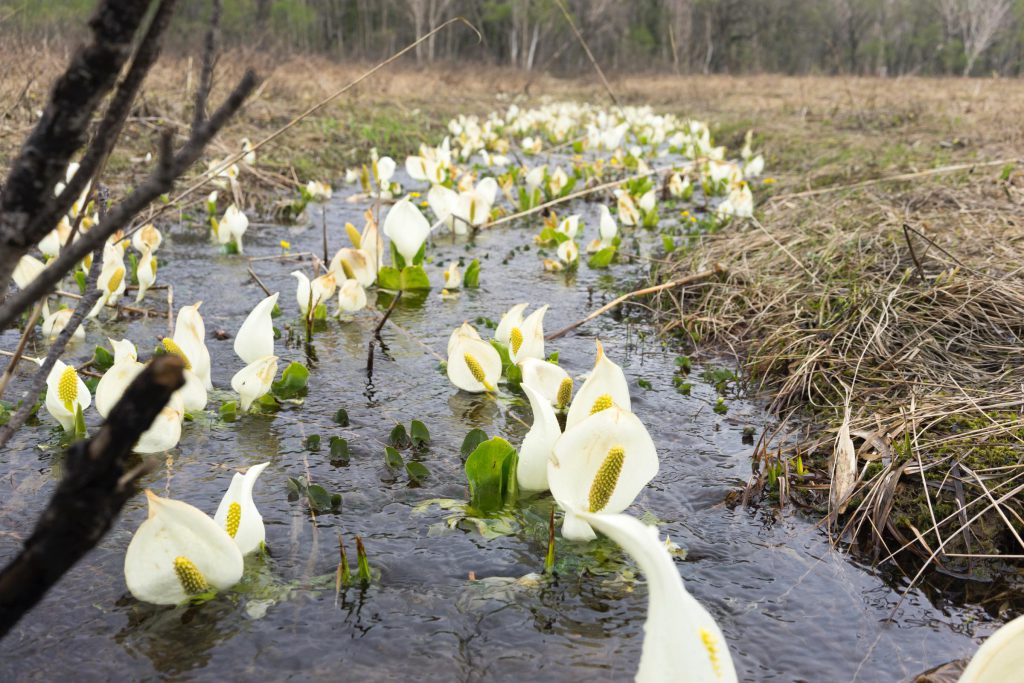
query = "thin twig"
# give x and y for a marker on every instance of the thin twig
(679, 282)
(20, 348)
(590, 55)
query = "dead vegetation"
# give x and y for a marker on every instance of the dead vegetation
(900, 301)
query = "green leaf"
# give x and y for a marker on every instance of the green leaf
(389, 278)
(102, 359)
(602, 259)
(399, 438)
(684, 363)
(668, 244)
(720, 407)
(229, 411)
(341, 417)
(471, 278)
(472, 440)
(397, 260)
(312, 442)
(414, 278)
(419, 433)
(80, 432)
(293, 381)
(417, 471)
(339, 451)
(392, 458)
(134, 262)
(362, 562)
(319, 499)
(80, 279)
(645, 384)
(491, 471)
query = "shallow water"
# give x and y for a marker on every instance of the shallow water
(792, 608)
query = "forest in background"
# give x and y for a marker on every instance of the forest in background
(868, 37)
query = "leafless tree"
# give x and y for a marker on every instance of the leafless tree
(976, 23)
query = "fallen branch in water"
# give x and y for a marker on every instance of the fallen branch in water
(97, 482)
(680, 282)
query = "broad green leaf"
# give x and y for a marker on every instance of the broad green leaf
(491, 471)
(417, 471)
(392, 458)
(419, 433)
(293, 381)
(339, 451)
(389, 278)
(341, 417)
(414, 277)
(319, 499)
(229, 411)
(602, 259)
(312, 442)
(472, 440)
(399, 438)
(102, 359)
(471, 278)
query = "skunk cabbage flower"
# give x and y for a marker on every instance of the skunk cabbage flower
(55, 322)
(237, 512)
(600, 465)
(527, 341)
(473, 364)
(739, 203)
(474, 206)
(190, 336)
(193, 393)
(165, 432)
(253, 381)
(678, 185)
(407, 228)
(628, 213)
(384, 169)
(66, 393)
(443, 201)
(255, 338)
(754, 167)
(147, 236)
(231, 227)
(146, 273)
(355, 264)
(111, 280)
(606, 383)
(1000, 658)
(538, 443)
(557, 181)
(116, 379)
(55, 239)
(373, 244)
(510, 320)
(535, 177)
(318, 191)
(679, 634)
(351, 297)
(249, 156)
(570, 225)
(568, 252)
(548, 380)
(607, 230)
(179, 552)
(648, 201)
(452, 276)
(320, 289)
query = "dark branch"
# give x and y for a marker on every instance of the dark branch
(61, 131)
(206, 74)
(96, 484)
(160, 181)
(35, 385)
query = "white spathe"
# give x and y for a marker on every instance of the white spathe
(253, 381)
(190, 336)
(320, 289)
(407, 228)
(452, 276)
(679, 633)
(465, 329)
(165, 432)
(605, 378)
(55, 322)
(443, 201)
(147, 236)
(511, 319)
(249, 532)
(232, 227)
(66, 393)
(351, 297)
(118, 376)
(255, 338)
(146, 272)
(568, 252)
(581, 452)
(473, 364)
(1000, 659)
(532, 337)
(354, 263)
(543, 377)
(27, 270)
(535, 452)
(176, 530)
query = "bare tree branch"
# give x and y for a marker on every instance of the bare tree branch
(43, 159)
(97, 482)
(206, 75)
(160, 181)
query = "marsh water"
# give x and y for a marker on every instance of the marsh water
(792, 607)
